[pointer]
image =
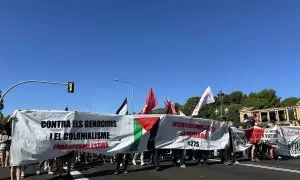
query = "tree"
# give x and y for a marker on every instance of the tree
(292, 101)
(237, 97)
(207, 111)
(178, 105)
(234, 113)
(190, 105)
(159, 111)
(266, 98)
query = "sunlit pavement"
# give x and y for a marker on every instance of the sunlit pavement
(273, 170)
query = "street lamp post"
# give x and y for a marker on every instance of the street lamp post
(132, 90)
(221, 95)
(33, 81)
(221, 98)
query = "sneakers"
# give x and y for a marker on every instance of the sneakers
(158, 169)
(50, 173)
(22, 174)
(121, 164)
(228, 162)
(117, 172)
(236, 162)
(45, 166)
(125, 171)
(134, 162)
(143, 164)
(38, 172)
(183, 166)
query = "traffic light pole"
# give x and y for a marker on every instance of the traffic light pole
(28, 81)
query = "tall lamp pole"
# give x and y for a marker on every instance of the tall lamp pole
(221, 98)
(132, 91)
(70, 86)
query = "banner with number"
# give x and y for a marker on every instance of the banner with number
(41, 135)
(178, 132)
(289, 141)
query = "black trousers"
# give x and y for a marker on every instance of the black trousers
(178, 154)
(201, 155)
(155, 157)
(120, 159)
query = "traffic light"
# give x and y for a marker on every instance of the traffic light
(71, 87)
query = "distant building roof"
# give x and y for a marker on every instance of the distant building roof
(247, 108)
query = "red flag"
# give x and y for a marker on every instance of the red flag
(171, 108)
(151, 102)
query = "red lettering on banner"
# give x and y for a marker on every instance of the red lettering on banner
(292, 133)
(193, 126)
(194, 134)
(101, 145)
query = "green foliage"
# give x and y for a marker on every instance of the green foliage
(178, 105)
(266, 98)
(190, 105)
(159, 111)
(292, 101)
(237, 97)
(234, 101)
(233, 113)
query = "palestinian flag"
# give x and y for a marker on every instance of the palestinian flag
(123, 110)
(145, 128)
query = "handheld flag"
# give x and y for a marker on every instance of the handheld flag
(206, 98)
(151, 102)
(172, 109)
(123, 109)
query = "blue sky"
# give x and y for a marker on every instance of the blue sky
(176, 47)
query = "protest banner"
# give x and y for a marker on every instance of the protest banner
(254, 134)
(289, 141)
(41, 135)
(182, 132)
(239, 140)
(270, 137)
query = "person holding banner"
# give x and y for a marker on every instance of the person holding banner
(255, 122)
(120, 159)
(61, 160)
(272, 147)
(178, 153)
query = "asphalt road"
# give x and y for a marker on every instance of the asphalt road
(273, 170)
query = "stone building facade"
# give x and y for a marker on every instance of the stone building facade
(284, 114)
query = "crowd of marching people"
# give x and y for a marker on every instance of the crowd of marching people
(152, 157)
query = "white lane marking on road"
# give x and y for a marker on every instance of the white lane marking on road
(76, 173)
(272, 168)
